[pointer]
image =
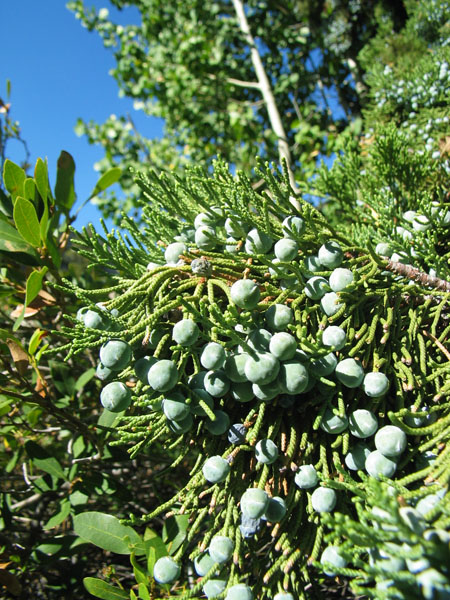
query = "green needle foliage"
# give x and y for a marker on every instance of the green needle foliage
(396, 322)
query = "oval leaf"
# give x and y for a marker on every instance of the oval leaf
(41, 178)
(26, 221)
(102, 589)
(13, 177)
(106, 532)
(106, 180)
(34, 284)
(65, 173)
(43, 460)
(11, 241)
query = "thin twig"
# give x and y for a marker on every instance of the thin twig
(417, 275)
(267, 93)
(441, 347)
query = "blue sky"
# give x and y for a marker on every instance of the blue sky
(59, 72)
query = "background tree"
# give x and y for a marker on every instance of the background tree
(265, 79)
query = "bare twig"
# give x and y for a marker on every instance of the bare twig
(267, 93)
(417, 275)
(441, 347)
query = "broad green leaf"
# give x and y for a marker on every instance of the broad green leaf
(108, 418)
(13, 178)
(174, 532)
(143, 592)
(139, 573)
(61, 515)
(54, 251)
(26, 221)
(43, 460)
(84, 378)
(106, 180)
(29, 189)
(34, 284)
(41, 178)
(155, 548)
(105, 531)
(102, 589)
(35, 340)
(65, 187)
(11, 241)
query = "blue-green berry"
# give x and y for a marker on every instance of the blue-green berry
(254, 502)
(220, 424)
(115, 396)
(182, 426)
(332, 423)
(206, 237)
(203, 563)
(175, 407)
(276, 510)
(142, 367)
(266, 451)
(216, 383)
(212, 356)
(294, 377)
(235, 367)
(312, 264)
(103, 373)
(163, 375)
(332, 556)
(166, 570)
(94, 319)
(286, 249)
(245, 293)
(390, 440)
(316, 287)
(242, 391)
(350, 372)
(214, 587)
(334, 336)
(115, 354)
(173, 252)
(293, 227)
(377, 464)
(257, 242)
(283, 345)
(375, 384)
(306, 477)
(323, 499)
(267, 392)
(240, 591)
(234, 228)
(185, 332)
(340, 278)
(278, 316)
(329, 303)
(330, 254)
(215, 469)
(197, 395)
(356, 457)
(261, 368)
(221, 548)
(283, 596)
(259, 339)
(362, 423)
(323, 366)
